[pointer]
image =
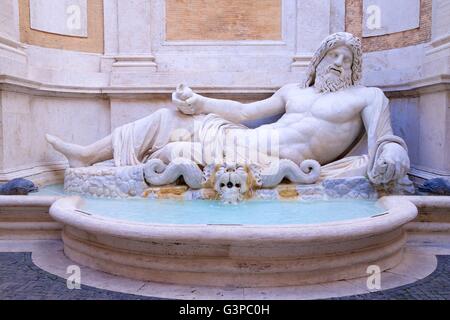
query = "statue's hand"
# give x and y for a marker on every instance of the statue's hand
(186, 100)
(393, 163)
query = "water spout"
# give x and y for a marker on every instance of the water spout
(230, 197)
(231, 183)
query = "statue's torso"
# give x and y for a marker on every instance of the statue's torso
(318, 126)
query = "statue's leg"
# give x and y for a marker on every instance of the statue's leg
(83, 156)
(130, 143)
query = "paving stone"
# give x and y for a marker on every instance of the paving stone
(436, 286)
(21, 279)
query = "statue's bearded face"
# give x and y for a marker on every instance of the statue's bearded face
(334, 71)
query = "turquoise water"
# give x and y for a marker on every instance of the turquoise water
(52, 190)
(256, 212)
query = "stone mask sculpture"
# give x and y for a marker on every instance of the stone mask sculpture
(323, 117)
(231, 183)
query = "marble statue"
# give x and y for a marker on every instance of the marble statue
(232, 183)
(157, 173)
(330, 118)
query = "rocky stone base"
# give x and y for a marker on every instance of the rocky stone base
(124, 182)
(104, 181)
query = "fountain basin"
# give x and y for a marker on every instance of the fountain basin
(235, 255)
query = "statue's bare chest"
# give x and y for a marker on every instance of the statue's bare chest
(333, 107)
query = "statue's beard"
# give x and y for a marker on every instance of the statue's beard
(327, 82)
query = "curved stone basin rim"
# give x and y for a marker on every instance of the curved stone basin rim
(235, 255)
(399, 212)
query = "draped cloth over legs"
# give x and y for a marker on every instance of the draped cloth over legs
(150, 137)
(135, 142)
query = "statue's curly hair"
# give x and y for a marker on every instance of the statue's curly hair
(332, 41)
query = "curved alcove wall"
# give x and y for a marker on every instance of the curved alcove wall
(81, 88)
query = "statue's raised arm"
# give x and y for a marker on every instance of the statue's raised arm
(191, 103)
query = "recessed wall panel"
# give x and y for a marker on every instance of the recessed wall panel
(228, 20)
(66, 17)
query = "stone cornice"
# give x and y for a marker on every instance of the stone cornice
(430, 84)
(440, 41)
(427, 173)
(439, 44)
(21, 85)
(17, 84)
(33, 170)
(11, 45)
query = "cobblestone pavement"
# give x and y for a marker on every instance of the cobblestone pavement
(436, 286)
(21, 279)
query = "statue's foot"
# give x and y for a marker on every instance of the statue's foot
(74, 153)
